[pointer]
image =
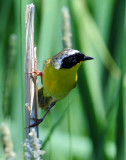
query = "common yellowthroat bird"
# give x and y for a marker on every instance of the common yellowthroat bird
(59, 77)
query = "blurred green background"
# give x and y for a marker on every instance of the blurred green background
(90, 123)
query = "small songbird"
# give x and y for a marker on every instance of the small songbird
(59, 77)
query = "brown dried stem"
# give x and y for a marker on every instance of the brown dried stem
(31, 94)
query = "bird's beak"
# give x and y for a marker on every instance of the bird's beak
(87, 58)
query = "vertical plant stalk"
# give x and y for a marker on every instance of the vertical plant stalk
(66, 28)
(67, 44)
(31, 95)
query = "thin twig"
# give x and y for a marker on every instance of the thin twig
(35, 91)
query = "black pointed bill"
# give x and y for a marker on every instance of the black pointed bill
(71, 60)
(87, 58)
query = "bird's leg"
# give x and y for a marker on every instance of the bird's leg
(38, 121)
(37, 73)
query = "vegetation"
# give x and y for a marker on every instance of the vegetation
(90, 123)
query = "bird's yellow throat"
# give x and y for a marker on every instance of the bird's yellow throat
(58, 82)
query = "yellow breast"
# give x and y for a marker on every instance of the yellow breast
(58, 82)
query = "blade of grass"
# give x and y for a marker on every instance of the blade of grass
(8, 83)
(104, 19)
(17, 100)
(4, 16)
(54, 126)
(90, 35)
(124, 80)
(47, 30)
(91, 72)
(121, 115)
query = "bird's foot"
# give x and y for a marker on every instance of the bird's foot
(34, 119)
(37, 122)
(36, 72)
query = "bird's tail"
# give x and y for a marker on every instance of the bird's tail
(43, 101)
